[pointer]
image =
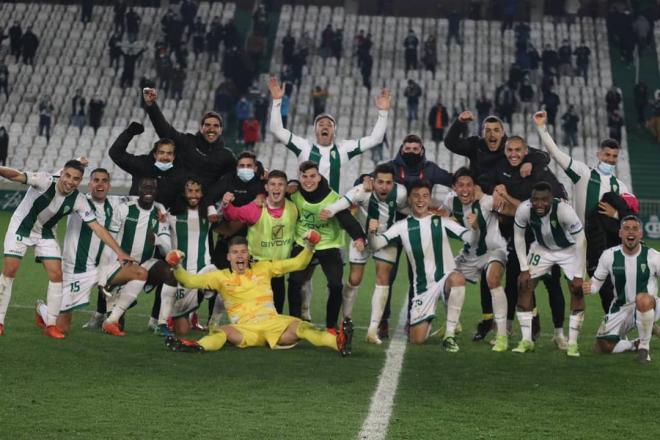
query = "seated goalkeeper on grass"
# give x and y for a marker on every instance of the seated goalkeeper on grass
(248, 297)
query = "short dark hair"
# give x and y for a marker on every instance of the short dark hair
(462, 172)
(631, 217)
(493, 119)
(542, 186)
(277, 174)
(76, 165)
(419, 183)
(143, 178)
(609, 143)
(194, 180)
(517, 138)
(237, 241)
(163, 141)
(385, 168)
(212, 115)
(100, 170)
(412, 139)
(249, 155)
(308, 165)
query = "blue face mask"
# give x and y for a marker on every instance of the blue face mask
(606, 168)
(164, 166)
(245, 174)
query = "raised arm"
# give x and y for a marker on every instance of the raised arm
(454, 140)
(563, 159)
(126, 161)
(291, 141)
(207, 281)
(107, 238)
(249, 213)
(299, 262)
(377, 135)
(13, 174)
(351, 225)
(162, 127)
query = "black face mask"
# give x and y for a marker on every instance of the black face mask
(411, 159)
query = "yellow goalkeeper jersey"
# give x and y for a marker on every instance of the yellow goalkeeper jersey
(248, 297)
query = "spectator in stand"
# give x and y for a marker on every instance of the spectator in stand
(570, 126)
(178, 80)
(551, 103)
(45, 116)
(133, 21)
(565, 54)
(508, 14)
(365, 69)
(299, 61)
(410, 44)
(288, 47)
(364, 50)
(256, 47)
(454, 30)
(188, 13)
(412, 93)
(261, 107)
(29, 44)
(120, 16)
(534, 62)
(337, 44)
(86, 11)
(627, 37)
(549, 59)
(224, 100)
(527, 94)
(242, 111)
(615, 123)
(430, 56)
(483, 105)
(230, 35)
(78, 104)
(438, 120)
(198, 37)
(213, 39)
(131, 56)
(358, 40)
(4, 79)
(582, 54)
(613, 99)
(325, 50)
(654, 121)
(164, 67)
(4, 145)
(251, 132)
(115, 50)
(642, 30)
(15, 40)
(505, 101)
(319, 98)
(641, 92)
(96, 108)
(260, 21)
(522, 32)
(515, 78)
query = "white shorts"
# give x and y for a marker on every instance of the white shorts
(616, 325)
(541, 260)
(471, 267)
(188, 300)
(386, 255)
(108, 271)
(424, 304)
(76, 289)
(44, 248)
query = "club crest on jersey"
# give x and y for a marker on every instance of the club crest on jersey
(66, 209)
(615, 188)
(333, 154)
(436, 221)
(153, 222)
(553, 223)
(643, 267)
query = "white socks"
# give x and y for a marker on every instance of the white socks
(5, 296)
(499, 309)
(306, 293)
(53, 301)
(218, 310)
(348, 299)
(129, 293)
(167, 298)
(454, 306)
(623, 345)
(525, 320)
(644, 321)
(574, 326)
(378, 302)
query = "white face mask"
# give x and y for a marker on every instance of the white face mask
(245, 174)
(163, 166)
(606, 168)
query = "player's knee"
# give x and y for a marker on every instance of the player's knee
(141, 274)
(355, 279)
(493, 281)
(644, 302)
(604, 346)
(55, 275)
(456, 279)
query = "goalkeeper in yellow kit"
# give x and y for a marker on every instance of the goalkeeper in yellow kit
(248, 298)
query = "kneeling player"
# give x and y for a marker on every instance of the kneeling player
(424, 237)
(634, 269)
(558, 240)
(246, 291)
(381, 205)
(488, 252)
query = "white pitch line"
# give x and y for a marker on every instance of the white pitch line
(380, 410)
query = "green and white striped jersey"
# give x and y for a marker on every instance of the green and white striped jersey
(427, 246)
(332, 160)
(82, 248)
(131, 225)
(487, 236)
(553, 231)
(370, 206)
(630, 274)
(190, 234)
(43, 207)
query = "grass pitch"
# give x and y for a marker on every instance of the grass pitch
(92, 385)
